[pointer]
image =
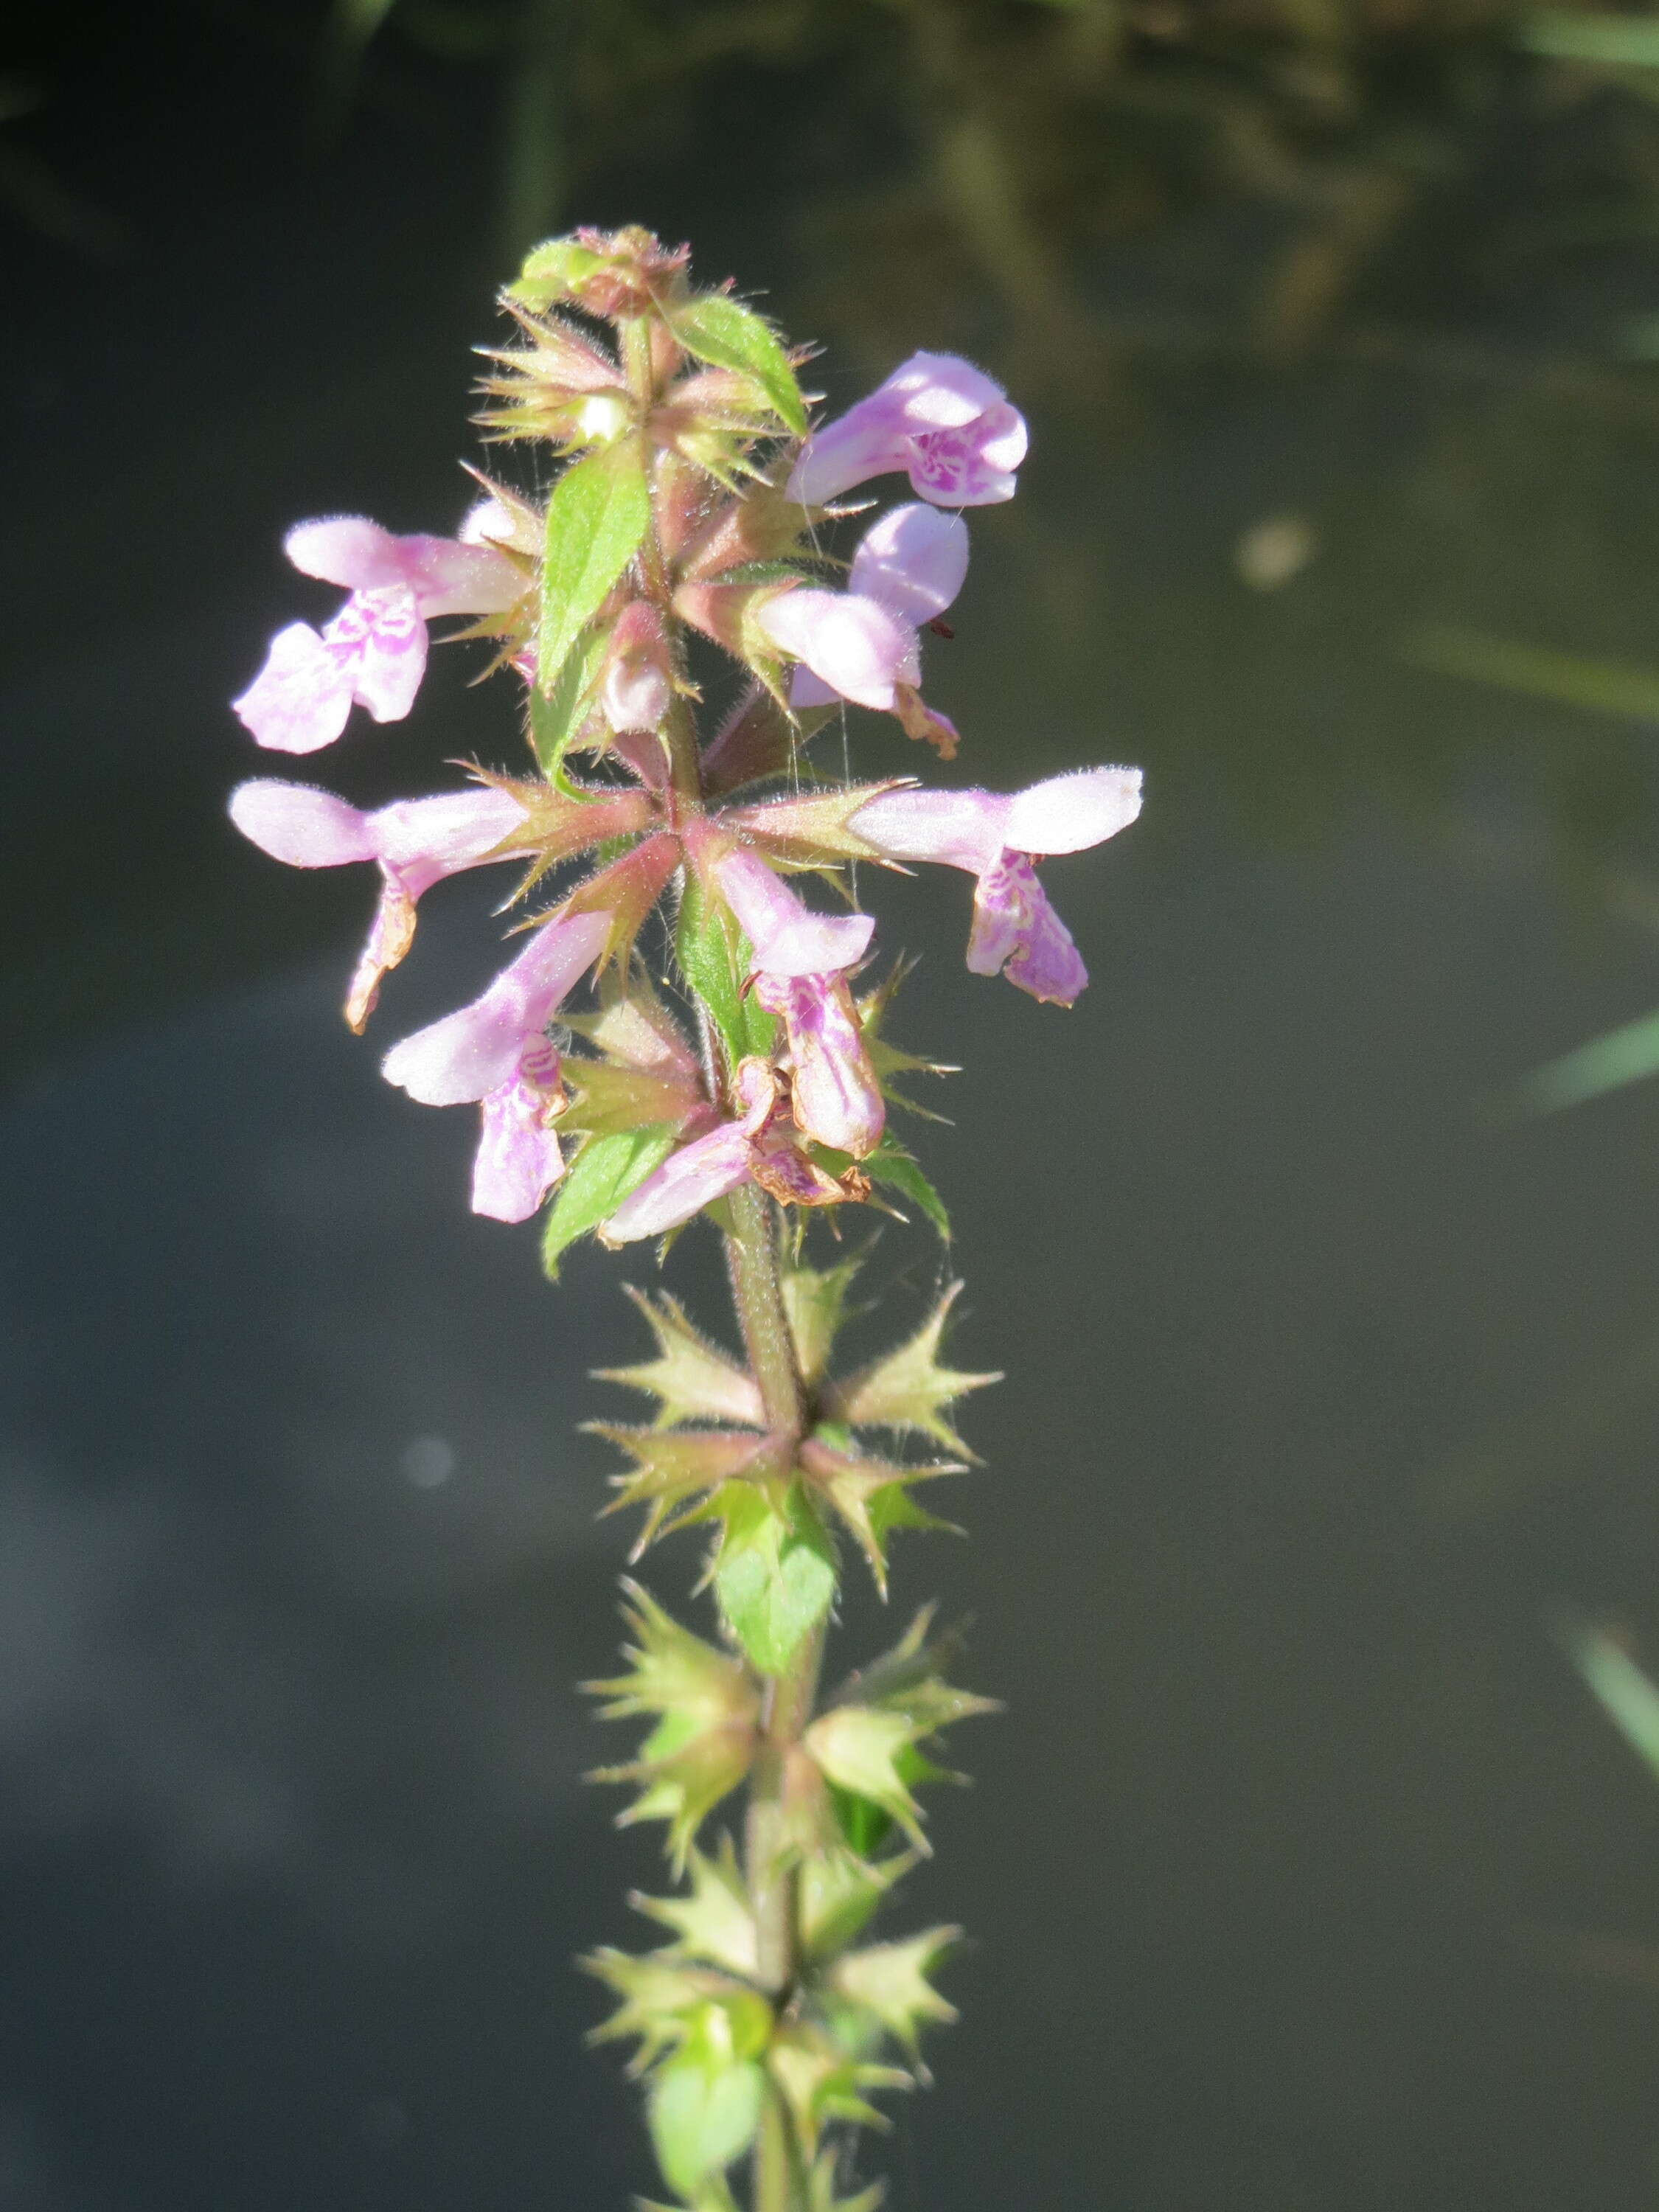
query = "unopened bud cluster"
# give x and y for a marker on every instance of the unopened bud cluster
(676, 626)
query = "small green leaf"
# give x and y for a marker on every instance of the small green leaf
(890, 1163)
(601, 1177)
(721, 331)
(702, 2120)
(599, 511)
(777, 1576)
(714, 957)
(556, 717)
(552, 270)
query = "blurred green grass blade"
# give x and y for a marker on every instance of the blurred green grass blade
(1615, 41)
(348, 31)
(1570, 680)
(1624, 1055)
(1624, 1692)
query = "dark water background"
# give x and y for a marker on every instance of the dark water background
(1287, 1870)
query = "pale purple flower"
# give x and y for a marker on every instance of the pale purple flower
(705, 1169)
(416, 842)
(496, 1051)
(862, 643)
(940, 419)
(798, 964)
(787, 937)
(995, 835)
(837, 1099)
(759, 1145)
(373, 654)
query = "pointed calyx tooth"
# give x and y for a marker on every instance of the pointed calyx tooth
(815, 1299)
(908, 1390)
(873, 1496)
(705, 1706)
(667, 2002)
(674, 1467)
(692, 1377)
(865, 1742)
(821, 2082)
(890, 1982)
(715, 1922)
(814, 827)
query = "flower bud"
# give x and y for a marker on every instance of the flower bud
(638, 686)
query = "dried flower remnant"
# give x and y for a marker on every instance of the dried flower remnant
(688, 490)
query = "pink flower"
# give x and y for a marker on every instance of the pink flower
(416, 842)
(800, 958)
(862, 643)
(943, 421)
(787, 937)
(374, 652)
(759, 1145)
(995, 835)
(837, 1100)
(496, 1051)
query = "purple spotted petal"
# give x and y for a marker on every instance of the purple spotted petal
(518, 1159)
(1017, 930)
(300, 700)
(836, 1097)
(939, 418)
(379, 637)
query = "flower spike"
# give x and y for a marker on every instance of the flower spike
(674, 493)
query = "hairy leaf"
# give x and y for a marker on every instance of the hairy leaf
(600, 1177)
(777, 1576)
(723, 333)
(599, 511)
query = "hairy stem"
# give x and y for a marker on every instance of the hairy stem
(774, 1881)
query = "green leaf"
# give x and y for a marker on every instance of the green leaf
(777, 1576)
(702, 2120)
(599, 511)
(552, 270)
(890, 1163)
(721, 332)
(714, 957)
(862, 1821)
(556, 717)
(602, 1174)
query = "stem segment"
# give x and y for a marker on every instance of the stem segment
(774, 1881)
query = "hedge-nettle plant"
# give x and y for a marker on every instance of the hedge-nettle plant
(743, 1072)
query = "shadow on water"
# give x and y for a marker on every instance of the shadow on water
(1322, 1389)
